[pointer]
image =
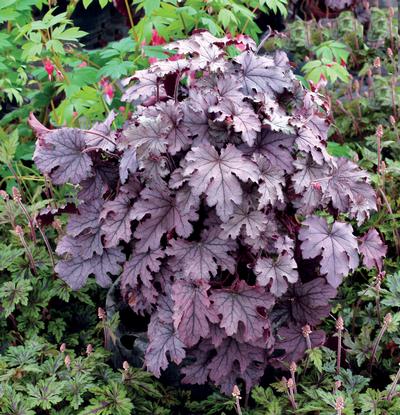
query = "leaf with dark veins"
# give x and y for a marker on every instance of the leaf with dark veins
(272, 181)
(117, 215)
(75, 271)
(149, 137)
(275, 147)
(141, 265)
(127, 164)
(192, 310)
(307, 303)
(87, 218)
(336, 244)
(200, 260)
(372, 248)
(146, 85)
(84, 245)
(60, 154)
(308, 173)
(232, 351)
(308, 142)
(261, 74)
(218, 176)
(239, 304)
(243, 118)
(178, 137)
(161, 206)
(281, 270)
(164, 343)
(100, 130)
(252, 222)
(196, 117)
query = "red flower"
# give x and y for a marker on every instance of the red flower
(49, 68)
(156, 39)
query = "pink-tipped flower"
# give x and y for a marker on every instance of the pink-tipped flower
(89, 349)
(49, 68)
(101, 313)
(16, 195)
(379, 132)
(83, 64)
(236, 392)
(377, 62)
(4, 195)
(122, 108)
(67, 361)
(392, 120)
(125, 365)
(19, 231)
(63, 347)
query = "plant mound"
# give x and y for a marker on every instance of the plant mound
(208, 205)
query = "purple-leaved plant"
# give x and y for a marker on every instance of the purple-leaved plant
(206, 205)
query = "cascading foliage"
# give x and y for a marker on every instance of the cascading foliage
(219, 207)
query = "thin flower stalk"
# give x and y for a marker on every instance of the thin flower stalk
(293, 369)
(47, 243)
(306, 333)
(236, 395)
(339, 329)
(18, 200)
(386, 321)
(339, 405)
(392, 389)
(20, 233)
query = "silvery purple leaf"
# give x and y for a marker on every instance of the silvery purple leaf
(308, 142)
(260, 74)
(163, 342)
(200, 260)
(228, 353)
(149, 137)
(87, 218)
(242, 117)
(372, 248)
(272, 181)
(146, 85)
(117, 215)
(192, 310)
(251, 222)
(60, 154)
(75, 271)
(164, 217)
(280, 271)
(141, 265)
(348, 188)
(240, 304)
(336, 244)
(308, 173)
(307, 303)
(128, 164)
(196, 117)
(218, 176)
(275, 147)
(100, 130)
(178, 137)
(85, 245)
